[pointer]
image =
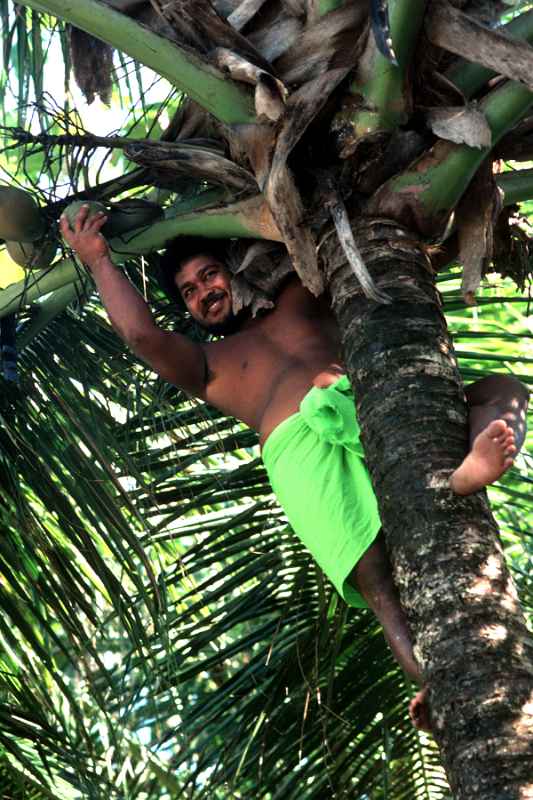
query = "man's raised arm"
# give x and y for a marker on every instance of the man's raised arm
(174, 357)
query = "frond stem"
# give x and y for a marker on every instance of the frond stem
(223, 98)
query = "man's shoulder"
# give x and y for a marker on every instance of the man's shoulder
(294, 298)
(289, 285)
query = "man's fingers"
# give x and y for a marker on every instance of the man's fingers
(96, 222)
(64, 226)
(80, 218)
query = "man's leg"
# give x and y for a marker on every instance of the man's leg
(497, 417)
(372, 577)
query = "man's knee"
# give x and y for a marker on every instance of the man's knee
(373, 573)
(497, 389)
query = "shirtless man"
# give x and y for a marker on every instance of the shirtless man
(262, 372)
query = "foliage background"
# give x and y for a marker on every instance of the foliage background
(162, 634)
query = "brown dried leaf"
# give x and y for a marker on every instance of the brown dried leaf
(253, 144)
(513, 248)
(461, 34)
(259, 270)
(475, 216)
(281, 193)
(270, 98)
(329, 44)
(276, 35)
(244, 13)
(92, 60)
(270, 93)
(288, 211)
(462, 125)
(198, 25)
(244, 295)
(354, 258)
(296, 7)
(168, 161)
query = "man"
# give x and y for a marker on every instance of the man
(281, 374)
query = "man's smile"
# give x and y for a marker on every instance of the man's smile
(213, 303)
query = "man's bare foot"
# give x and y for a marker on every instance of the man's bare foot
(419, 710)
(493, 451)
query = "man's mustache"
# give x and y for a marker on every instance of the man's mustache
(211, 298)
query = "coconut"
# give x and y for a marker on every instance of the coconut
(32, 255)
(72, 210)
(20, 217)
(127, 215)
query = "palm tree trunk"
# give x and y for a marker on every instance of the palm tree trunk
(468, 630)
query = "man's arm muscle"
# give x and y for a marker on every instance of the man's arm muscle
(174, 357)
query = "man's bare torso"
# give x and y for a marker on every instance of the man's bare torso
(261, 373)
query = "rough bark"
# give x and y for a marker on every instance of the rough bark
(469, 633)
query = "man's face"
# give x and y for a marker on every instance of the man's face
(204, 284)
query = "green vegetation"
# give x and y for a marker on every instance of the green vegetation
(163, 634)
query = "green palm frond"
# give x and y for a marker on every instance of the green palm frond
(163, 634)
(154, 599)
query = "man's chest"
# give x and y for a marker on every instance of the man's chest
(271, 358)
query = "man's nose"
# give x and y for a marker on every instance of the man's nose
(204, 296)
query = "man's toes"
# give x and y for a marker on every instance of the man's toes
(419, 711)
(419, 715)
(414, 711)
(505, 440)
(497, 428)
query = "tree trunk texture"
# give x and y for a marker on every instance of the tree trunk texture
(469, 633)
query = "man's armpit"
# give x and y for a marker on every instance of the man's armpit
(208, 373)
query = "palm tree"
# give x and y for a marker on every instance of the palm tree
(249, 679)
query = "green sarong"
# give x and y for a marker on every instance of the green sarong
(314, 460)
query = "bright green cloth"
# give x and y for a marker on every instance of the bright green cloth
(314, 460)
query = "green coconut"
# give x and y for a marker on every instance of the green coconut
(127, 215)
(72, 210)
(32, 255)
(20, 217)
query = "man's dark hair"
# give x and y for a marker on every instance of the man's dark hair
(181, 250)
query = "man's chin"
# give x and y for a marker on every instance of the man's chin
(230, 324)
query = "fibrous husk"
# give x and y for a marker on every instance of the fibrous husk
(513, 247)
(92, 60)
(20, 217)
